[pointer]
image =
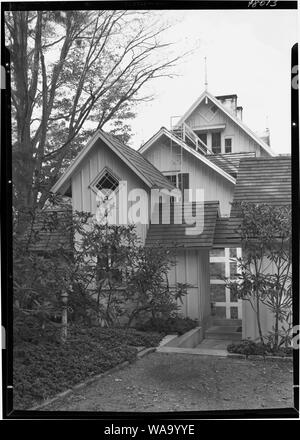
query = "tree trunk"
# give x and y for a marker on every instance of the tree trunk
(258, 319)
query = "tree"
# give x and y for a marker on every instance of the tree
(73, 71)
(265, 267)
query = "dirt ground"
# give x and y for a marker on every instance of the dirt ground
(176, 382)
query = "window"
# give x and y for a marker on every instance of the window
(216, 142)
(213, 109)
(203, 137)
(173, 178)
(105, 182)
(228, 145)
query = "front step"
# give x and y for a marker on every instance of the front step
(224, 332)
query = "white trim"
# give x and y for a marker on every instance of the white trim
(227, 303)
(97, 135)
(199, 156)
(230, 115)
(209, 128)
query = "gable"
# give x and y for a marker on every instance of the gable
(167, 139)
(216, 183)
(100, 158)
(197, 116)
(133, 159)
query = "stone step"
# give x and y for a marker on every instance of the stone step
(227, 322)
(224, 332)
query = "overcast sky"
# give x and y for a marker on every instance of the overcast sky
(248, 53)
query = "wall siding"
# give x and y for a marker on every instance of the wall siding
(266, 317)
(242, 142)
(84, 198)
(166, 157)
(192, 266)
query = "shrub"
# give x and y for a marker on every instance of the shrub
(175, 324)
(248, 347)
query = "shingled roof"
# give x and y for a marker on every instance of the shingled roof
(175, 235)
(226, 234)
(135, 160)
(51, 230)
(264, 180)
(260, 180)
(229, 162)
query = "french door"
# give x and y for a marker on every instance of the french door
(223, 265)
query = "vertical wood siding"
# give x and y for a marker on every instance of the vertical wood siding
(84, 198)
(249, 329)
(192, 266)
(200, 175)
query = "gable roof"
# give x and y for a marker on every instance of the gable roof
(230, 115)
(174, 235)
(136, 161)
(164, 132)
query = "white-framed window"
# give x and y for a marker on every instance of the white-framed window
(228, 141)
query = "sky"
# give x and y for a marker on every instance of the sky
(248, 54)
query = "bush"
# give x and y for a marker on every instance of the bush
(175, 324)
(44, 369)
(119, 335)
(248, 347)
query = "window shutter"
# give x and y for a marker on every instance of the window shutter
(183, 182)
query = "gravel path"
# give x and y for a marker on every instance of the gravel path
(176, 382)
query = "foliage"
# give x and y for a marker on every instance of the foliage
(127, 279)
(248, 347)
(174, 324)
(129, 336)
(264, 271)
(106, 275)
(72, 72)
(45, 369)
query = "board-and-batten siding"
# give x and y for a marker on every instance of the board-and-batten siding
(192, 266)
(83, 197)
(241, 141)
(201, 176)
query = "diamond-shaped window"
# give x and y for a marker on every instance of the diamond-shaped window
(106, 183)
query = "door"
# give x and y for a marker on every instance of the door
(223, 265)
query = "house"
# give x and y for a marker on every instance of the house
(178, 189)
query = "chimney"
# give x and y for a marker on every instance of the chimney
(230, 102)
(239, 112)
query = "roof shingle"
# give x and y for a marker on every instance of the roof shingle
(176, 235)
(152, 174)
